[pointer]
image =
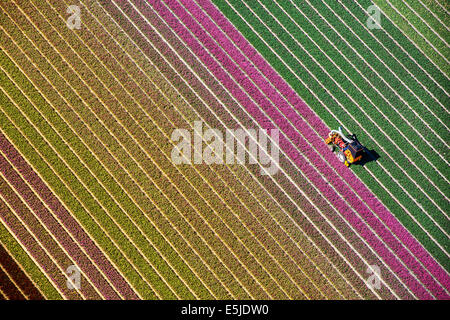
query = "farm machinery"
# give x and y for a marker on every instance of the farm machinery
(349, 148)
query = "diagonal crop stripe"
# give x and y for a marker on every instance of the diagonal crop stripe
(67, 221)
(17, 278)
(422, 26)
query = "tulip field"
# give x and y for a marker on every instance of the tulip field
(92, 205)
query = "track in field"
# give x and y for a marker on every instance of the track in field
(85, 151)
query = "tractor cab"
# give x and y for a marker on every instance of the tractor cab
(354, 151)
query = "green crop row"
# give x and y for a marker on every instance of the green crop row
(425, 21)
(404, 22)
(432, 14)
(398, 67)
(438, 12)
(318, 89)
(28, 265)
(367, 88)
(392, 73)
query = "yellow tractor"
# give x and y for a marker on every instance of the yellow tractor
(350, 150)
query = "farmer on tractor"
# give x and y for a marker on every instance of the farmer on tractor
(350, 150)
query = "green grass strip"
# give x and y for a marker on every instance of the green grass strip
(404, 22)
(437, 10)
(415, 62)
(394, 71)
(432, 14)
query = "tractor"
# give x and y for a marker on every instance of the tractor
(350, 150)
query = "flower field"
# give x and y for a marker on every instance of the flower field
(87, 179)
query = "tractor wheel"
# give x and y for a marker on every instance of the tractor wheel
(341, 156)
(331, 147)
